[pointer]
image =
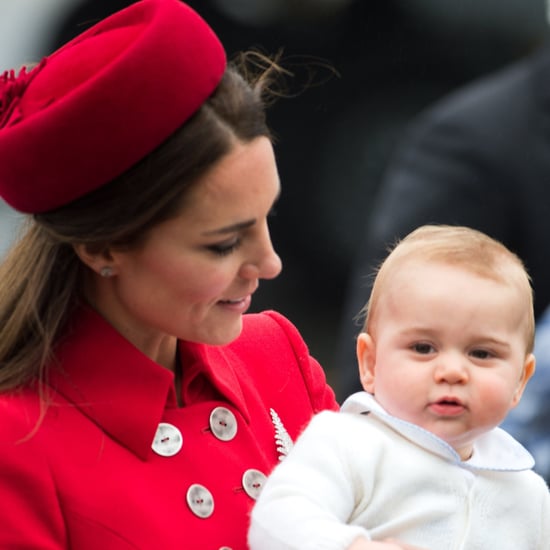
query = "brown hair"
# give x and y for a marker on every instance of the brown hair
(459, 246)
(41, 276)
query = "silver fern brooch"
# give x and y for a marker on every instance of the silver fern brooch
(282, 439)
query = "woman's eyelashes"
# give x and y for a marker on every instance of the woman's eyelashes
(224, 248)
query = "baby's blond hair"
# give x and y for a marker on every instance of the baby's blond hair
(462, 247)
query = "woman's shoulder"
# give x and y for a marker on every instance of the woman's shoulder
(20, 412)
(275, 354)
(268, 333)
(275, 322)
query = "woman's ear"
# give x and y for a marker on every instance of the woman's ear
(98, 261)
(528, 371)
(366, 359)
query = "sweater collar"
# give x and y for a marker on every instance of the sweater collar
(495, 450)
(123, 391)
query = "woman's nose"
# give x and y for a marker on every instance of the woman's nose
(266, 263)
(271, 266)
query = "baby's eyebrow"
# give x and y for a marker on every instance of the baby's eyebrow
(494, 341)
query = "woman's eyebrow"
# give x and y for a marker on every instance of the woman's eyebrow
(230, 228)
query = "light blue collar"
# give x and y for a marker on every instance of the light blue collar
(495, 450)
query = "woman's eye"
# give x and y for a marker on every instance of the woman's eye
(422, 348)
(225, 248)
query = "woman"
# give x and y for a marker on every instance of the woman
(140, 407)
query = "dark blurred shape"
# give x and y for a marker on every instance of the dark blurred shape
(529, 422)
(480, 158)
(333, 140)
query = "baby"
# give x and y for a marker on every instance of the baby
(417, 459)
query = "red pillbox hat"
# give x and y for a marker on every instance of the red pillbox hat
(103, 101)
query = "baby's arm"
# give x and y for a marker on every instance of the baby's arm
(309, 497)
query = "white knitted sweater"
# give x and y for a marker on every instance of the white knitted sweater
(363, 472)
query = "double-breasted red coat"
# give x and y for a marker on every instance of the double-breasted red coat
(110, 461)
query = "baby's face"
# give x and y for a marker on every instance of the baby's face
(447, 351)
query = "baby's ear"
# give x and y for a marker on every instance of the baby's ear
(528, 371)
(366, 355)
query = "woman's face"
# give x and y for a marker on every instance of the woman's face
(194, 276)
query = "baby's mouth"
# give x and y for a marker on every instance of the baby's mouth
(447, 406)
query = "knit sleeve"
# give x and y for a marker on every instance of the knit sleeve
(309, 497)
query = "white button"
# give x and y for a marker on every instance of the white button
(253, 482)
(223, 424)
(200, 501)
(168, 440)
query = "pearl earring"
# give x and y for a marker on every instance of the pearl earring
(106, 271)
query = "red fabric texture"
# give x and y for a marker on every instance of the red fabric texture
(86, 476)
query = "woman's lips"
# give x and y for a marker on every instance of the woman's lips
(239, 305)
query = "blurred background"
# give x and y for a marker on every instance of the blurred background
(391, 59)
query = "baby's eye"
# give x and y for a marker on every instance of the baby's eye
(423, 348)
(481, 354)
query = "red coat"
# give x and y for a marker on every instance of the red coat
(95, 474)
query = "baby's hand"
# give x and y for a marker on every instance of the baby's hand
(389, 544)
